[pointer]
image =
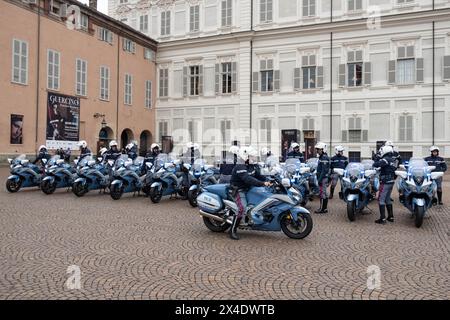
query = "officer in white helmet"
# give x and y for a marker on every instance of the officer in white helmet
(42, 154)
(338, 161)
(322, 173)
(388, 165)
(131, 150)
(102, 154)
(296, 153)
(435, 160)
(243, 177)
(84, 150)
(113, 153)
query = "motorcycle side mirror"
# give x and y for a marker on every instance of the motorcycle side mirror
(149, 165)
(286, 183)
(339, 171)
(436, 175)
(74, 161)
(91, 162)
(401, 174)
(402, 166)
(369, 173)
(24, 161)
(99, 159)
(111, 162)
(44, 161)
(10, 160)
(431, 168)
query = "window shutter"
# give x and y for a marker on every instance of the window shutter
(351, 123)
(110, 37)
(263, 65)
(401, 52)
(305, 61)
(446, 71)
(217, 79)
(255, 81)
(410, 51)
(358, 122)
(311, 124)
(124, 44)
(409, 131)
(185, 81)
(276, 80)
(365, 135)
(305, 124)
(342, 75)
(344, 135)
(269, 64)
(200, 80)
(319, 77)
(312, 60)
(297, 78)
(367, 73)
(359, 55)
(317, 135)
(234, 77)
(351, 56)
(391, 72)
(419, 70)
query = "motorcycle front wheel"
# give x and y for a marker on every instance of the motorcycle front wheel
(216, 226)
(351, 210)
(419, 212)
(79, 189)
(192, 197)
(48, 187)
(13, 186)
(116, 192)
(184, 193)
(155, 195)
(297, 229)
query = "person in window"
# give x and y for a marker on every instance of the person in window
(435, 160)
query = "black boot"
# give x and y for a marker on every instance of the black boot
(323, 206)
(320, 209)
(382, 219)
(439, 194)
(234, 226)
(331, 193)
(390, 210)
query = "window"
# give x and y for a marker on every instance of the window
(194, 75)
(104, 83)
(354, 156)
(129, 45)
(266, 75)
(53, 72)
(124, 20)
(265, 131)
(193, 130)
(55, 7)
(81, 77)
(128, 89)
(266, 11)
(354, 5)
(309, 8)
(406, 65)
(405, 1)
(226, 77)
(123, 1)
(84, 23)
(194, 12)
(355, 68)
(309, 71)
(354, 130)
(20, 62)
(143, 23)
(227, 13)
(105, 35)
(225, 130)
(406, 128)
(149, 54)
(148, 94)
(163, 129)
(163, 82)
(165, 23)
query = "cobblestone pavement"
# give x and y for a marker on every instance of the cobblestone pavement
(133, 249)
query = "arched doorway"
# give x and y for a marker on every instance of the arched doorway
(126, 137)
(145, 140)
(105, 135)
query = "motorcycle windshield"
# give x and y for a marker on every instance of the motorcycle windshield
(189, 157)
(120, 161)
(313, 163)
(418, 170)
(85, 161)
(292, 165)
(138, 161)
(53, 160)
(160, 160)
(367, 164)
(199, 164)
(354, 169)
(417, 163)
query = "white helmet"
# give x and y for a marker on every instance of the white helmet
(82, 144)
(339, 149)
(265, 151)
(385, 150)
(294, 145)
(154, 145)
(113, 143)
(246, 152)
(103, 150)
(434, 148)
(42, 147)
(389, 143)
(321, 145)
(129, 146)
(134, 142)
(234, 149)
(190, 145)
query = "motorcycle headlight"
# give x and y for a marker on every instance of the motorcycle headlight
(418, 180)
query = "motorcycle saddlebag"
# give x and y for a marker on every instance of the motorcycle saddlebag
(209, 202)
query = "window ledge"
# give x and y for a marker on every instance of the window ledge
(355, 88)
(104, 100)
(19, 83)
(406, 86)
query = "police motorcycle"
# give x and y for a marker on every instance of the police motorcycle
(88, 178)
(58, 174)
(299, 175)
(201, 175)
(355, 187)
(126, 176)
(269, 209)
(170, 178)
(374, 180)
(417, 187)
(313, 184)
(23, 174)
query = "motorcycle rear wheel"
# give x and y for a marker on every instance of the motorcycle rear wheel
(419, 212)
(48, 187)
(184, 193)
(13, 186)
(155, 195)
(216, 226)
(351, 210)
(299, 229)
(116, 192)
(192, 197)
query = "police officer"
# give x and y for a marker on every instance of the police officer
(295, 153)
(84, 150)
(388, 165)
(243, 177)
(435, 160)
(102, 154)
(322, 173)
(339, 161)
(42, 154)
(131, 150)
(113, 153)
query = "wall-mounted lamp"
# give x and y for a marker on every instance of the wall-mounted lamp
(98, 115)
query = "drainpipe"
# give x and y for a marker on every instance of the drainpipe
(38, 57)
(434, 82)
(331, 90)
(251, 71)
(117, 87)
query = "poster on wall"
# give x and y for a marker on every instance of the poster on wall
(63, 121)
(16, 136)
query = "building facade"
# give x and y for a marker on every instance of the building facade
(97, 78)
(350, 72)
